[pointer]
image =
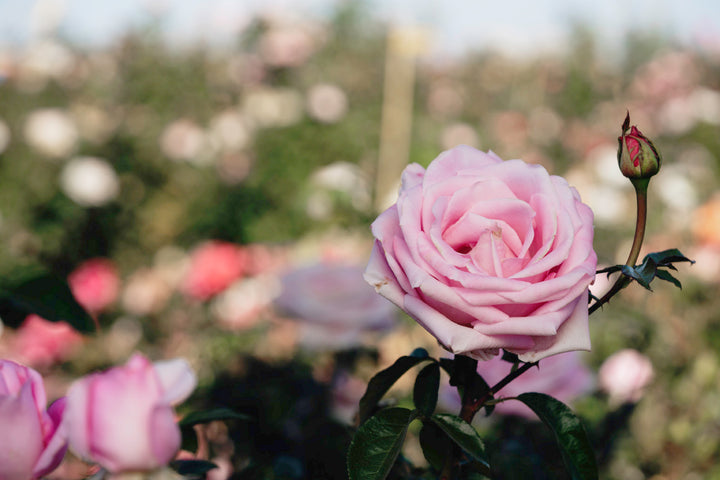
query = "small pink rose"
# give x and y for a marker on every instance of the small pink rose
(488, 254)
(42, 343)
(32, 444)
(624, 375)
(123, 418)
(214, 265)
(95, 284)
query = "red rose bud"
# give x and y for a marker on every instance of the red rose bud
(637, 156)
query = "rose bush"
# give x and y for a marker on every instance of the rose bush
(488, 254)
(32, 444)
(123, 418)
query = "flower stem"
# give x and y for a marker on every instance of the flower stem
(471, 405)
(640, 221)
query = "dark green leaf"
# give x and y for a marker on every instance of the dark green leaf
(636, 275)
(36, 291)
(381, 382)
(447, 364)
(610, 270)
(569, 433)
(436, 446)
(192, 467)
(425, 392)
(377, 443)
(666, 257)
(463, 434)
(510, 357)
(665, 275)
(207, 416)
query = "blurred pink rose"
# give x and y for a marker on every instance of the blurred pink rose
(214, 265)
(488, 254)
(335, 304)
(31, 445)
(564, 377)
(624, 375)
(95, 284)
(123, 418)
(42, 343)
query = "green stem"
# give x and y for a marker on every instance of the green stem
(640, 221)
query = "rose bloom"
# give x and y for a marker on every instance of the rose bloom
(214, 266)
(123, 418)
(488, 254)
(42, 343)
(564, 377)
(31, 445)
(334, 303)
(624, 375)
(95, 284)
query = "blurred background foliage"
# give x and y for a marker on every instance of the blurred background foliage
(274, 143)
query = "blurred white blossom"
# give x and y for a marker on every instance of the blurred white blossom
(184, 140)
(458, 134)
(286, 46)
(51, 132)
(89, 181)
(327, 103)
(230, 130)
(273, 107)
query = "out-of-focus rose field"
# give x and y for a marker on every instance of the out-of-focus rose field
(215, 204)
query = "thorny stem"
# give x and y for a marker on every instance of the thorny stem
(623, 281)
(470, 406)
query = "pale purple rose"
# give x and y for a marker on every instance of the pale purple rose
(488, 254)
(564, 377)
(123, 418)
(624, 375)
(335, 304)
(32, 444)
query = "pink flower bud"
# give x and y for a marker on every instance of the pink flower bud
(95, 284)
(32, 444)
(123, 418)
(637, 156)
(624, 375)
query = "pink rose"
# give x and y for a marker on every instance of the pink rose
(624, 375)
(214, 265)
(31, 444)
(487, 254)
(564, 377)
(123, 418)
(95, 284)
(42, 343)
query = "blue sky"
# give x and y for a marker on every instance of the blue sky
(456, 25)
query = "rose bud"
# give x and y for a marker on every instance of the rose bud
(624, 376)
(637, 156)
(123, 418)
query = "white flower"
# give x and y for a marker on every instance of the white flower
(327, 103)
(51, 132)
(89, 181)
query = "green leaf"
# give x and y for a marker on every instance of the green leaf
(569, 433)
(665, 275)
(377, 443)
(207, 416)
(381, 382)
(436, 446)
(463, 434)
(667, 257)
(192, 467)
(425, 392)
(32, 290)
(637, 275)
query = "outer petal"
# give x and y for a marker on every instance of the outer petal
(573, 335)
(56, 443)
(177, 380)
(22, 441)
